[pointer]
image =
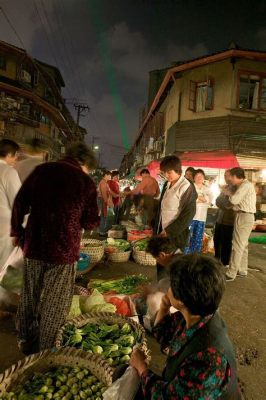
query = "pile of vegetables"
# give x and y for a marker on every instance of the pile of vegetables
(142, 244)
(59, 383)
(116, 245)
(127, 285)
(92, 303)
(113, 342)
(118, 228)
(141, 232)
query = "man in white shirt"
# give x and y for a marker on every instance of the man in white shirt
(35, 154)
(9, 187)
(244, 203)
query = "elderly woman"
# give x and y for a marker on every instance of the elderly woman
(199, 220)
(200, 358)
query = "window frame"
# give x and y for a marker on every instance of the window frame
(262, 76)
(210, 83)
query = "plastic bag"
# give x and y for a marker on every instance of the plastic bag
(15, 260)
(124, 388)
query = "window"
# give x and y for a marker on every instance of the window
(252, 91)
(201, 96)
(2, 62)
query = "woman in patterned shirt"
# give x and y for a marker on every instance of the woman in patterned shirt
(200, 358)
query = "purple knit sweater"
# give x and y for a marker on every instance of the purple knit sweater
(61, 200)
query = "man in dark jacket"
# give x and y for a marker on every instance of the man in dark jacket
(177, 206)
(224, 227)
(61, 200)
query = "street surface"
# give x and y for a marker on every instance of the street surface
(243, 308)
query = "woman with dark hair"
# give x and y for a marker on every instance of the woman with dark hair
(200, 358)
(199, 220)
(9, 186)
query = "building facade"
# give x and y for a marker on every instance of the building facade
(31, 103)
(213, 103)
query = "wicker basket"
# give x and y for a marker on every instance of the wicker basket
(142, 257)
(19, 373)
(119, 256)
(107, 318)
(96, 252)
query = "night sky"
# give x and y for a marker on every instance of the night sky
(105, 48)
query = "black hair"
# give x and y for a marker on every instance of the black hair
(171, 163)
(106, 172)
(238, 172)
(114, 173)
(190, 169)
(198, 281)
(8, 147)
(199, 171)
(81, 153)
(144, 171)
(159, 244)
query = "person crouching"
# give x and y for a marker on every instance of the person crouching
(200, 357)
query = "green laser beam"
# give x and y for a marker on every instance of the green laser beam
(109, 69)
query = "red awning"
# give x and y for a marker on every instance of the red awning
(210, 159)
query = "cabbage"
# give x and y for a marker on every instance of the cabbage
(75, 310)
(95, 302)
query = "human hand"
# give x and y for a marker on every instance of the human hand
(15, 241)
(138, 361)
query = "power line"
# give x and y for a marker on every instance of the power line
(12, 27)
(73, 70)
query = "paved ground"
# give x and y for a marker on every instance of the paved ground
(243, 308)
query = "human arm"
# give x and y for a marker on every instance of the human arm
(238, 196)
(139, 188)
(21, 207)
(222, 201)
(201, 375)
(13, 185)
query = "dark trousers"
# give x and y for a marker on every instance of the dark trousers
(223, 236)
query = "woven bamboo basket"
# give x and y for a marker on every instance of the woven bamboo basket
(107, 318)
(95, 252)
(142, 257)
(20, 372)
(119, 256)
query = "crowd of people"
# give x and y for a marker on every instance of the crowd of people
(44, 206)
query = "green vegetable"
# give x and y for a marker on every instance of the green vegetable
(97, 349)
(126, 350)
(126, 285)
(111, 341)
(124, 359)
(37, 388)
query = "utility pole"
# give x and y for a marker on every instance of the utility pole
(81, 108)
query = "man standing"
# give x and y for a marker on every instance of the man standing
(35, 154)
(177, 206)
(9, 186)
(61, 199)
(149, 189)
(224, 226)
(244, 203)
(114, 189)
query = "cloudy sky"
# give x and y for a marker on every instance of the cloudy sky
(105, 49)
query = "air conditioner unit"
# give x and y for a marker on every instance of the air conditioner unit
(25, 76)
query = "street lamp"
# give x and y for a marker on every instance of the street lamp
(96, 147)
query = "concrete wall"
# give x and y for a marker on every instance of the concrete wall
(225, 77)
